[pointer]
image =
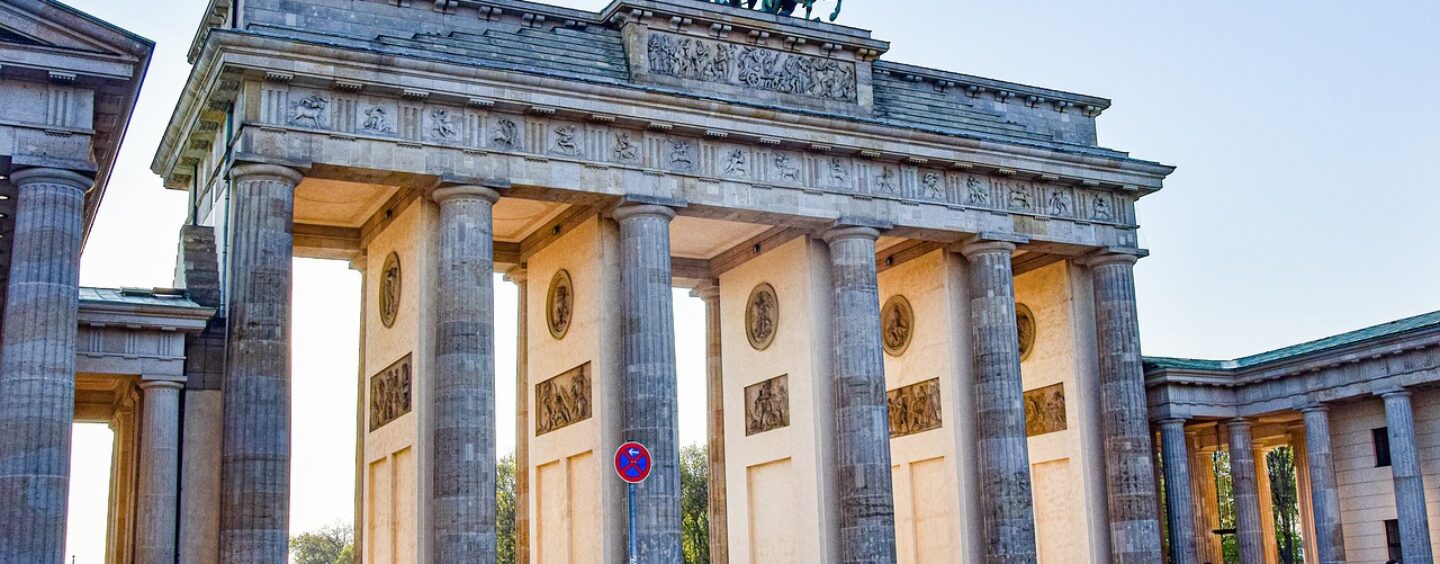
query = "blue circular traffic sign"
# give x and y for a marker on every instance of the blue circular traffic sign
(632, 462)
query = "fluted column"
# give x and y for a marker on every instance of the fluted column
(1177, 492)
(1324, 494)
(862, 436)
(1409, 485)
(1003, 450)
(462, 402)
(1129, 470)
(255, 448)
(521, 278)
(1246, 492)
(156, 510)
(715, 425)
(1202, 486)
(37, 365)
(648, 385)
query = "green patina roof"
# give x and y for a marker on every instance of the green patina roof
(1406, 325)
(162, 297)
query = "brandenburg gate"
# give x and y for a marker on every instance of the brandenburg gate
(920, 303)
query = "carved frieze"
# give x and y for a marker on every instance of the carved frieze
(897, 321)
(915, 408)
(751, 67)
(762, 316)
(563, 400)
(390, 286)
(1045, 410)
(390, 393)
(767, 405)
(765, 162)
(560, 304)
(1025, 329)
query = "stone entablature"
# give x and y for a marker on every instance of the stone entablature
(1362, 364)
(574, 120)
(135, 333)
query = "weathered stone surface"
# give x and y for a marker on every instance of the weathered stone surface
(255, 450)
(1246, 491)
(1324, 496)
(157, 505)
(462, 416)
(37, 365)
(719, 518)
(648, 386)
(521, 278)
(1177, 492)
(1129, 467)
(862, 445)
(1409, 482)
(1003, 455)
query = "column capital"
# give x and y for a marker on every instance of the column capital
(247, 170)
(467, 191)
(148, 385)
(1315, 407)
(847, 232)
(631, 211)
(52, 176)
(1113, 255)
(1393, 393)
(517, 275)
(1172, 421)
(1237, 422)
(708, 290)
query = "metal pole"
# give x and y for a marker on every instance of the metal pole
(634, 552)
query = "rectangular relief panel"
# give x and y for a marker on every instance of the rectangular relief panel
(752, 68)
(915, 408)
(563, 401)
(390, 393)
(767, 405)
(1045, 410)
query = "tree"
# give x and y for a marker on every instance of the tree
(1284, 498)
(1229, 544)
(505, 510)
(329, 545)
(695, 504)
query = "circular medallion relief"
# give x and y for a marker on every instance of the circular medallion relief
(560, 304)
(897, 320)
(762, 316)
(390, 289)
(1025, 326)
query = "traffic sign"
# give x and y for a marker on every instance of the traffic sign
(632, 462)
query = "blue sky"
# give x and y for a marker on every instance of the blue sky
(1304, 133)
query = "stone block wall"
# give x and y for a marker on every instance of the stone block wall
(1367, 494)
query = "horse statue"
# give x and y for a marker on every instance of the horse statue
(780, 7)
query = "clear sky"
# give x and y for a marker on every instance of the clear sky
(1303, 205)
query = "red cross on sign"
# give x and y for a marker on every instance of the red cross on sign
(632, 462)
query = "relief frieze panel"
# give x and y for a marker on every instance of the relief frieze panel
(480, 128)
(563, 400)
(751, 67)
(1045, 410)
(914, 408)
(390, 393)
(767, 405)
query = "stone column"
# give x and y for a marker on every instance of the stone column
(1409, 485)
(37, 365)
(1202, 486)
(1177, 492)
(462, 389)
(1324, 494)
(157, 509)
(362, 409)
(715, 390)
(1003, 449)
(1246, 492)
(648, 386)
(255, 448)
(862, 436)
(1129, 470)
(521, 279)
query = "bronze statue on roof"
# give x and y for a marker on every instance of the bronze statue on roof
(780, 7)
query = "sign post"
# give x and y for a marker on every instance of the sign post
(632, 464)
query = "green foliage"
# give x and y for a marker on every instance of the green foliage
(781, 7)
(1284, 496)
(329, 545)
(505, 510)
(1226, 493)
(695, 504)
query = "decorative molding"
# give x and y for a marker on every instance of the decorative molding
(762, 316)
(391, 288)
(897, 320)
(560, 304)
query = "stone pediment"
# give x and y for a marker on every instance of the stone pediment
(49, 35)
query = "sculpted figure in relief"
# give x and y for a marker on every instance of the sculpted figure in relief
(507, 134)
(886, 180)
(752, 67)
(767, 405)
(680, 153)
(1101, 205)
(1060, 203)
(914, 408)
(978, 195)
(563, 400)
(786, 168)
(625, 150)
(442, 125)
(839, 172)
(308, 111)
(377, 121)
(736, 163)
(931, 182)
(1045, 410)
(565, 140)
